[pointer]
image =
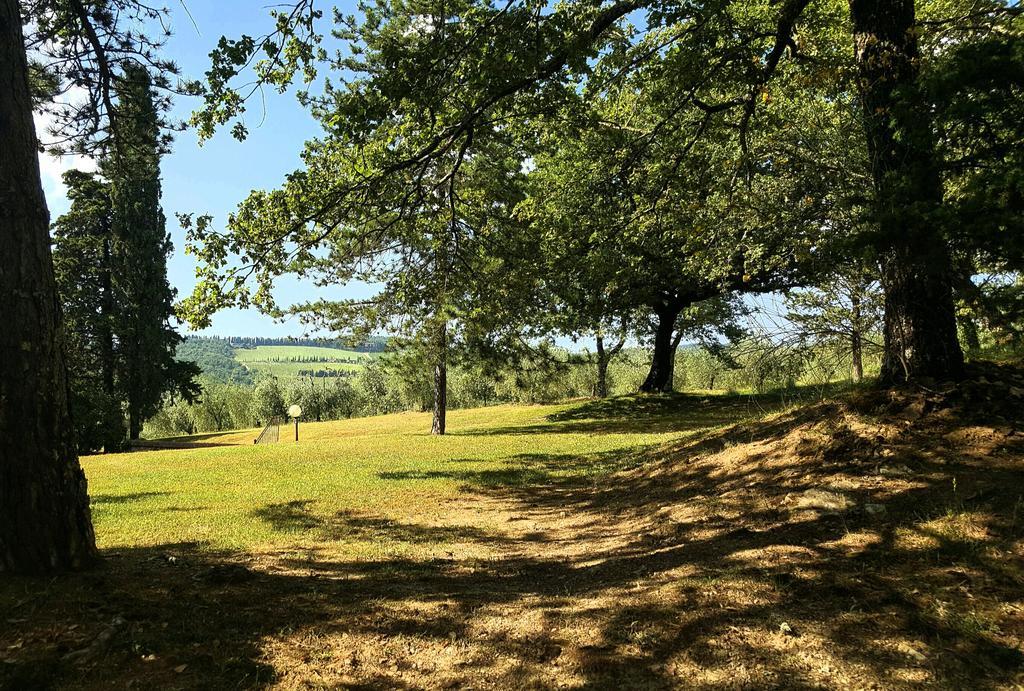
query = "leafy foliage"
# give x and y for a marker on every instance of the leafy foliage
(215, 357)
(79, 49)
(82, 269)
(110, 264)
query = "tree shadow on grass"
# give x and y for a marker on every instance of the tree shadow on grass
(224, 620)
(114, 499)
(657, 413)
(639, 592)
(568, 470)
(502, 477)
(192, 441)
(299, 516)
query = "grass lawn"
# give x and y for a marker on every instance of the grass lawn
(689, 541)
(290, 494)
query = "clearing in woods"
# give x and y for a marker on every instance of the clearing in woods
(874, 540)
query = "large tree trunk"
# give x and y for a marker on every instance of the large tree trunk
(659, 378)
(44, 507)
(440, 381)
(920, 323)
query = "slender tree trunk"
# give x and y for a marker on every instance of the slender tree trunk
(44, 506)
(917, 274)
(856, 340)
(659, 378)
(114, 433)
(440, 381)
(107, 334)
(971, 337)
(602, 368)
(856, 351)
(134, 423)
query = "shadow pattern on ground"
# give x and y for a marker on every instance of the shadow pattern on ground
(665, 601)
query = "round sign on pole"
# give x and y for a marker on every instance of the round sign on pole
(294, 411)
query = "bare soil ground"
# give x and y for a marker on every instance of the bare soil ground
(873, 541)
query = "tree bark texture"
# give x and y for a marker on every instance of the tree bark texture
(440, 381)
(917, 274)
(45, 524)
(659, 378)
(601, 390)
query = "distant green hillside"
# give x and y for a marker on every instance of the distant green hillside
(223, 360)
(216, 358)
(301, 360)
(373, 344)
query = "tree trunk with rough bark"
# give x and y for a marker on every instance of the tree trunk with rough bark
(659, 378)
(440, 381)
(604, 358)
(917, 274)
(45, 524)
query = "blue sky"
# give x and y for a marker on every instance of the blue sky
(215, 177)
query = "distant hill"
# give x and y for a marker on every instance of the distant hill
(216, 358)
(238, 360)
(374, 344)
(284, 361)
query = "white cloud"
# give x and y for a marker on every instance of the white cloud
(52, 168)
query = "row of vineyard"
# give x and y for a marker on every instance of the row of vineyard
(327, 373)
(314, 359)
(374, 344)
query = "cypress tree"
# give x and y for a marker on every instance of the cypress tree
(144, 298)
(82, 267)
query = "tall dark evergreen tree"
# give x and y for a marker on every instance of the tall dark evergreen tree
(82, 264)
(143, 297)
(110, 262)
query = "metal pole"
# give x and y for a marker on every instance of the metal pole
(296, 429)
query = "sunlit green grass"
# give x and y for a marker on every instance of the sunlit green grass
(306, 494)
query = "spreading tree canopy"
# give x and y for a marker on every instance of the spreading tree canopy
(422, 81)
